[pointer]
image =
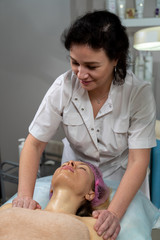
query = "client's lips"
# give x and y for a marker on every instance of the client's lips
(68, 168)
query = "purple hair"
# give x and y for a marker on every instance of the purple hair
(101, 190)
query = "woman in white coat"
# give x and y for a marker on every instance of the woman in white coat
(108, 116)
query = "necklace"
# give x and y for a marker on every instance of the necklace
(98, 100)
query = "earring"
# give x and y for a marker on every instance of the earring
(115, 74)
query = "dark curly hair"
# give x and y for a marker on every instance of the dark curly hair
(101, 29)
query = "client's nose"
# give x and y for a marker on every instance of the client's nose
(71, 163)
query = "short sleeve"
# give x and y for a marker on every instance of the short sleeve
(49, 114)
(141, 133)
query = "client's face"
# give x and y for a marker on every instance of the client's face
(74, 175)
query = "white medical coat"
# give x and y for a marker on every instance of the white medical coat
(125, 121)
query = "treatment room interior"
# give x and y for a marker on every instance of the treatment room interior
(32, 57)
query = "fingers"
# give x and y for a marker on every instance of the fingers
(18, 202)
(25, 202)
(38, 206)
(102, 216)
(95, 214)
(107, 224)
(114, 236)
(32, 204)
(112, 232)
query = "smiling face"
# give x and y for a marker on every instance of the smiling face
(76, 177)
(92, 67)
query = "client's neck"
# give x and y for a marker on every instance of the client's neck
(63, 201)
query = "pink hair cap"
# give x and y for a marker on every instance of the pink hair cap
(101, 189)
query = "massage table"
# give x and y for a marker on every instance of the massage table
(139, 220)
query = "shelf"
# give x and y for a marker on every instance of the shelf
(141, 22)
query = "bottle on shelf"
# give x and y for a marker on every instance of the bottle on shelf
(121, 4)
(157, 9)
(139, 8)
(111, 5)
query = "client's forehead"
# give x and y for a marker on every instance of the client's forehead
(85, 164)
(81, 163)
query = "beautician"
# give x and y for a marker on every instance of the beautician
(108, 116)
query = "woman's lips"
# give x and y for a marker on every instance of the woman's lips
(85, 82)
(68, 168)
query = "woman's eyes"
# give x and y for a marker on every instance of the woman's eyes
(75, 63)
(89, 67)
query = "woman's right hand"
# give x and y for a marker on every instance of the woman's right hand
(25, 202)
(28, 167)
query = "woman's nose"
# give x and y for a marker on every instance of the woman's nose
(82, 73)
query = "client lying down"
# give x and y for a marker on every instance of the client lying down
(77, 189)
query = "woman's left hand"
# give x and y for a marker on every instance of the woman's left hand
(107, 224)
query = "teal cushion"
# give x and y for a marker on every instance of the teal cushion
(139, 219)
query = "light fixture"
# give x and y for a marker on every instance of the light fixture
(147, 39)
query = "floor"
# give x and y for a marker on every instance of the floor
(156, 234)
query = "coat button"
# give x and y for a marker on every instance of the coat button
(92, 129)
(82, 109)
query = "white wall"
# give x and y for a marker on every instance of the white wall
(31, 57)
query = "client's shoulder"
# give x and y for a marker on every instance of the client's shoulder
(90, 222)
